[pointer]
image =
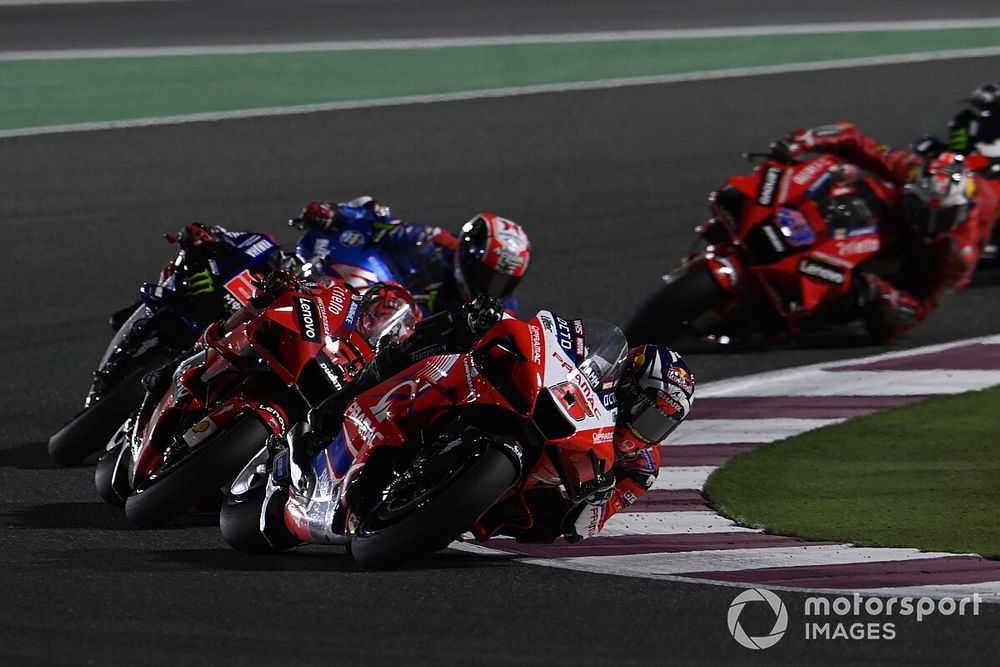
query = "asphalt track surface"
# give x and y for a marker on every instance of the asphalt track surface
(609, 185)
(190, 22)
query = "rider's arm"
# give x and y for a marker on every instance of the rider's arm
(892, 310)
(634, 474)
(632, 479)
(847, 141)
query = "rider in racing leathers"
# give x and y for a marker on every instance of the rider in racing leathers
(655, 394)
(488, 257)
(941, 218)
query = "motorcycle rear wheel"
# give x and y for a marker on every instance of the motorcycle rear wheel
(89, 431)
(204, 472)
(664, 315)
(443, 510)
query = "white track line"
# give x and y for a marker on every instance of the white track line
(880, 383)
(728, 560)
(724, 431)
(988, 590)
(603, 84)
(678, 478)
(748, 385)
(507, 40)
(670, 523)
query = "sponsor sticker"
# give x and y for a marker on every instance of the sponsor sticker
(821, 271)
(261, 247)
(277, 421)
(564, 334)
(241, 287)
(536, 344)
(862, 246)
(305, 308)
(794, 227)
(339, 297)
(769, 185)
(773, 237)
(811, 171)
(351, 238)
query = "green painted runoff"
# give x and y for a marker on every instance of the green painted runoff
(922, 476)
(36, 93)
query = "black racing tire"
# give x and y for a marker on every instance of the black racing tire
(447, 511)
(104, 474)
(89, 431)
(216, 461)
(664, 316)
(239, 522)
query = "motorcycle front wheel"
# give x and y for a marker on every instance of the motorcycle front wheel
(239, 521)
(201, 474)
(110, 476)
(423, 513)
(89, 431)
(664, 316)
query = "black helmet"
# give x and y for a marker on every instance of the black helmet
(977, 126)
(492, 256)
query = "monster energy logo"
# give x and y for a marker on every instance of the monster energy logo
(958, 139)
(200, 283)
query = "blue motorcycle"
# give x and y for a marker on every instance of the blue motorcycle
(362, 250)
(211, 277)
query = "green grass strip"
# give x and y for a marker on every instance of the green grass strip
(924, 476)
(51, 92)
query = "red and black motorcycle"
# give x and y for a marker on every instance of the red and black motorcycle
(456, 443)
(207, 281)
(778, 256)
(248, 380)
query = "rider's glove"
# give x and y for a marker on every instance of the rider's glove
(785, 150)
(603, 490)
(585, 519)
(481, 314)
(822, 139)
(888, 311)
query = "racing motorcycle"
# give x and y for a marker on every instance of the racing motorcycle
(209, 279)
(250, 377)
(350, 253)
(456, 443)
(777, 257)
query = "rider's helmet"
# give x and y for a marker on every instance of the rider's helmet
(387, 312)
(492, 256)
(977, 126)
(655, 393)
(938, 195)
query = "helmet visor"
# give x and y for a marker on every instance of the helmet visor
(481, 279)
(929, 221)
(651, 419)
